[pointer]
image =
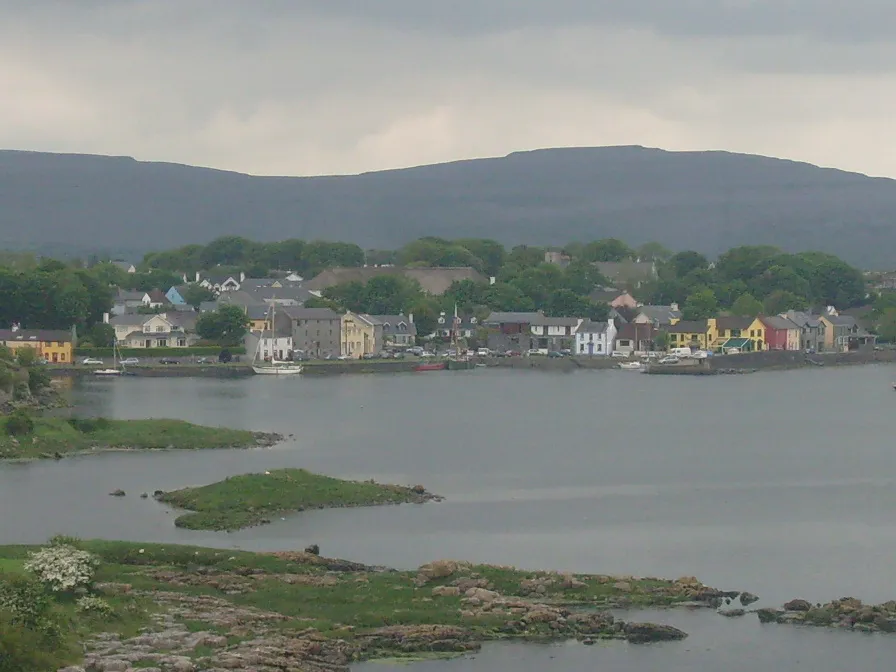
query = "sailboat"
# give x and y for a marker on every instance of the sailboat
(274, 367)
(114, 371)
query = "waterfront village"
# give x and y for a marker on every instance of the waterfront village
(279, 324)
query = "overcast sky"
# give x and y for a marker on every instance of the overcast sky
(342, 86)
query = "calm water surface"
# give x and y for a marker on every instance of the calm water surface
(782, 483)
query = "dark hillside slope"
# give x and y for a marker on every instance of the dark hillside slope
(708, 201)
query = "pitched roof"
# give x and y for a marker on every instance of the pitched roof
(803, 319)
(36, 335)
(512, 318)
(158, 296)
(239, 298)
(123, 265)
(300, 313)
(660, 314)
(689, 327)
(633, 330)
(777, 322)
(734, 322)
(589, 327)
(545, 321)
(391, 322)
(127, 295)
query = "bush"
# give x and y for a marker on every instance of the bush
(63, 568)
(88, 425)
(19, 423)
(23, 648)
(91, 604)
(24, 599)
(38, 378)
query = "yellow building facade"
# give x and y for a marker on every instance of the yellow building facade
(52, 346)
(359, 336)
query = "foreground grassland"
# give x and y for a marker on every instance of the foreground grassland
(253, 499)
(56, 437)
(200, 609)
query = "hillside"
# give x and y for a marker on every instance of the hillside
(708, 201)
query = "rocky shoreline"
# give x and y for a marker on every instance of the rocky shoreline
(281, 611)
(847, 613)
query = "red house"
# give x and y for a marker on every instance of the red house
(780, 333)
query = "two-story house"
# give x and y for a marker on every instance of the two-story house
(361, 335)
(695, 334)
(843, 333)
(54, 346)
(658, 316)
(595, 338)
(163, 330)
(510, 331)
(813, 332)
(553, 333)
(780, 333)
(745, 334)
(317, 332)
(398, 330)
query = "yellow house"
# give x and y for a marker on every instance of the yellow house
(688, 334)
(359, 336)
(747, 334)
(52, 346)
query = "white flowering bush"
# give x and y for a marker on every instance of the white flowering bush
(94, 605)
(63, 568)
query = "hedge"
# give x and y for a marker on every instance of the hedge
(203, 351)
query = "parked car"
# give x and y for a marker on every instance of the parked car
(620, 354)
(130, 361)
(415, 350)
(89, 361)
(555, 354)
(169, 360)
(483, 352)
(533, 352)
(369, 355)
(566, 352)
(512, 353)
(671, 359)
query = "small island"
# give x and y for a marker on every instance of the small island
(254, 499)
(45, 437)
(177, 607)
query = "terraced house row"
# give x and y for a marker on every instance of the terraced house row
(651, 328)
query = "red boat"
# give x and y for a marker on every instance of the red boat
(435, 366)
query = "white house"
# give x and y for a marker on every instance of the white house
(595, 338)
(164, 330)
(273, 346)
(553, 333)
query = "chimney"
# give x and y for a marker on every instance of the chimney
(242, 277)
(105, 318)
(674, 307)
(411, 318)
(491, 280)
(197, 276)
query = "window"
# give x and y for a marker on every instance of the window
(62, 357)
(600, 347)
(182, 342)
(673, 337)
(55, 357)
(160, 329)
(162, 343)
(752, 333)
(582, 348)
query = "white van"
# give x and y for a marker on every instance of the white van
(680, 352)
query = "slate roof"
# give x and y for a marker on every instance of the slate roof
(659, 314)
(513, 318)
(589, 327)
(734, 322)
(36, 335)
(690, 327)
(778, 323)
(300, 313)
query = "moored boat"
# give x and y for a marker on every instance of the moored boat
(434, 366)
(631, 366)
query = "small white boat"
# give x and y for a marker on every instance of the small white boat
(630, 366)
(277, 368)
(114, 371)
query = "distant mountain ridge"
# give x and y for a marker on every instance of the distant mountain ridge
(707, 201)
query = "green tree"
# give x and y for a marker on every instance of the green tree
(228, 251)
(320, 302)
(195, 295)
(319, 254)
(739, 263)
(700, 305)
(687, 261)
(490, 252)
(426, 318)
(780, 279)
(780, 302)
(226, 326)
(886, 326)
(598, 312)
(102, 335)
(746, 306)
(661, 340)
(653, 251)
(433, 251)
(566, 303)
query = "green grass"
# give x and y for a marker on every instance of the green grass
(56, 437)
(251, 499)
(341, 604)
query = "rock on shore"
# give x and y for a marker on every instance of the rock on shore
(847, 613)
